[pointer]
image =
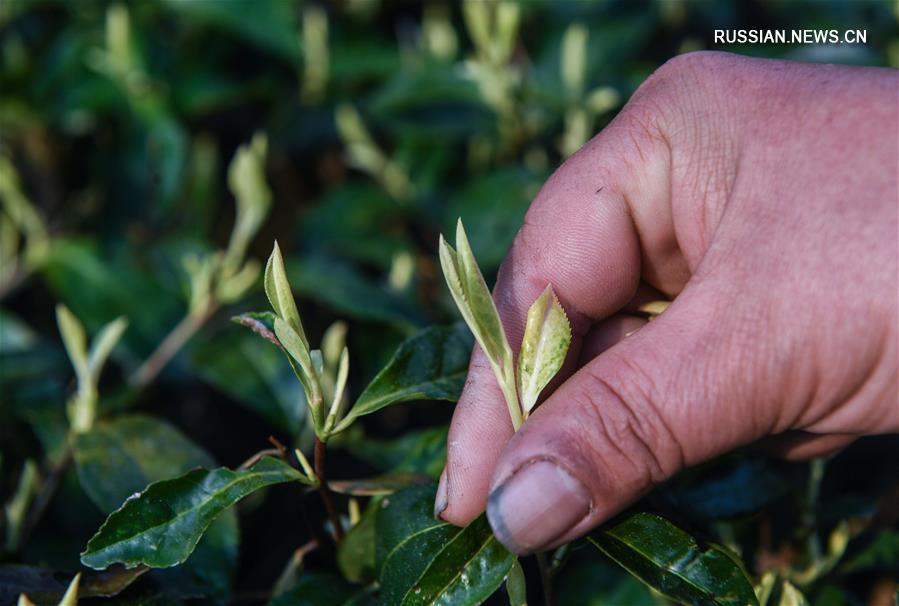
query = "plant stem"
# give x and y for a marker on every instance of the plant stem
(173, 342)
(325, 492)
(546, 579)
(510, 393)
(809, 517)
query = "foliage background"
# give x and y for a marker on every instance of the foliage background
(385, 122)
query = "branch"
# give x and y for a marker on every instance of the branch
(181, 334)
(325, 492)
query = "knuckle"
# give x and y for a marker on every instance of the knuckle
(622, 407)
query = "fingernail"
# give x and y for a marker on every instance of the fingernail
(441, 501)
(536, 505)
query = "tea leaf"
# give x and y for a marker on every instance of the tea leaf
(422, 452)
(516, 585)
(323, 589)
(277, 289)
(547, 336)
(117, 458)
(427, 562)
(356, 553)
(304, 365)
(671, 561)
(481, 307)
(430, 365)
(160, 527)
(253, 372)
(473, 299)
(103, 345)
(246, 179)
(70, 598)
(74, 338)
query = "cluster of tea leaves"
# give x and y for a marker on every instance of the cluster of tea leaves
(385, 122)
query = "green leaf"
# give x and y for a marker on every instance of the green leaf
(252, 372)
(356, 553)
(494, 205)
(103, 345)
(476, 305)
(119, 458)
(422, 561)
(547, 336)
(603, 583)
(160, 526)
(422, 452)
(73, 337)
(431, 365)
(516, 585)
(344, 288)
(671, 561)
(876, 551)
(272, 25)
(307, 367)
(277, 289)
(473, 298)
(323, 589)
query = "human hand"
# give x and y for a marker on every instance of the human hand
(763, 196)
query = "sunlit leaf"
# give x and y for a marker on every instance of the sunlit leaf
(430, 365)
(161, 526)
(104, 343)
(516, 585)
(547, 336)
(672, 562)
(423, 561)
(118, 458)
(277, 289)
(73, 337)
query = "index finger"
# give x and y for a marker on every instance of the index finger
(578, 235)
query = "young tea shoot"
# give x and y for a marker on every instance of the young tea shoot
(546, 338)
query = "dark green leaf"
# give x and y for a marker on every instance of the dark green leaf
(724, 490)
(878, 552)
(493, 208)
(273, 24)
(359, 222)
(421, 452)
(160, 526)
(98, 286)
(672, 562)
(341, 286)
(601, 583)
(254, 373)
(321, 589)
(422, 561)
(120, 457)
(428, 366)
(356, 553)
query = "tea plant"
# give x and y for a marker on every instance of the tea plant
(411, 558)
(132, 186)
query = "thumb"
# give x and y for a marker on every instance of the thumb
(674, 393)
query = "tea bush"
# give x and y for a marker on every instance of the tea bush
(183, 423)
